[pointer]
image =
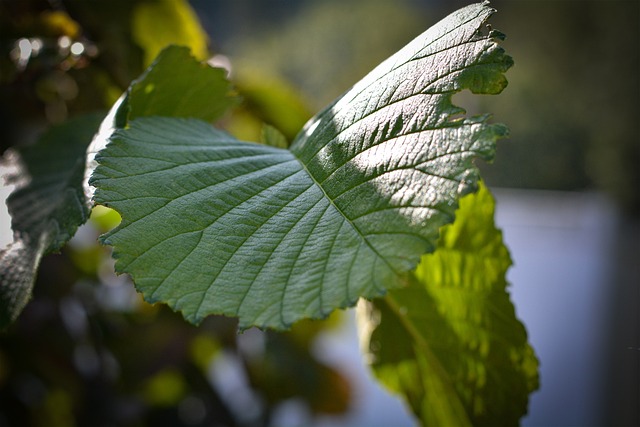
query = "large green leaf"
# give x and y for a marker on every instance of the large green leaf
(215, 225)
(450, 342)
(45, 208)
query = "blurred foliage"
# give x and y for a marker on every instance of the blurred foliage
(268, 100)
(157, 24)
(88, 351)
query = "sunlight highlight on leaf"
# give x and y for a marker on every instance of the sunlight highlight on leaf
(213, 225)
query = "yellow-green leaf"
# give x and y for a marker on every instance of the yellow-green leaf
(450, 342)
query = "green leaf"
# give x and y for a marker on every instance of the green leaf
(215, 225)
(450, 342)
(46, 207)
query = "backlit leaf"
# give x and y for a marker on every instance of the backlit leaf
(450, 342)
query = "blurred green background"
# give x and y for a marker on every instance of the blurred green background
(88, 351)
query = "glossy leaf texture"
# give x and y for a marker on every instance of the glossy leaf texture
(213, 225)
(450, 342)
(45, 208)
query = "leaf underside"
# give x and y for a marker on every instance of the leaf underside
(213, 225)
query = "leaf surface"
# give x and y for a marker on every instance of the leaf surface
(450, 342)
(215, 225)
(46, 206)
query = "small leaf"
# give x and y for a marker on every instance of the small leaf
(46, 207)
(215, 225)
(450, 342)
